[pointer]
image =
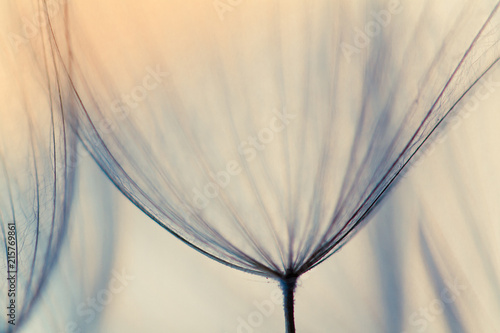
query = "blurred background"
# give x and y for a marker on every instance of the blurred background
(428, 260)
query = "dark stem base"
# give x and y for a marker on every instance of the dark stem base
(288, 284)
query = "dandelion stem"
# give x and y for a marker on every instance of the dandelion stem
(288, 284)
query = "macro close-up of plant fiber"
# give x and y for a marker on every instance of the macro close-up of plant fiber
(334, 162)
